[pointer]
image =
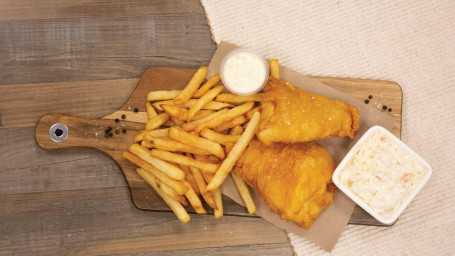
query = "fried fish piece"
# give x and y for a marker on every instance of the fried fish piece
(290, 114)
(294, 180)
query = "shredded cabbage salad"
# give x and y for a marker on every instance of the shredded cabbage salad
(382, 173)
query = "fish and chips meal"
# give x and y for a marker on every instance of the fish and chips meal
(197, 136)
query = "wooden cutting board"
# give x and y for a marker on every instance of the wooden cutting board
(91, 133)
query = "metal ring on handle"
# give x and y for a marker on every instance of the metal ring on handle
(58, 132)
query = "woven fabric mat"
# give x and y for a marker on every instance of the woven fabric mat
(409, 42)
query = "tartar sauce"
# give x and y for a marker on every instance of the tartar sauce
(244, 72)
(382, 174)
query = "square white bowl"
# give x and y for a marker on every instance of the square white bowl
(359, 201)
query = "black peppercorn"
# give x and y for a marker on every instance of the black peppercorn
(390, 110)
(370, 97)
(108, 129)
(110, 134)
(384, 107)
(117, 120)
(117, 131)
(123, 116)
(124, 131)
(136, 110)
(367, 101)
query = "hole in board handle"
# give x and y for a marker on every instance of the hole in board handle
(58, 132)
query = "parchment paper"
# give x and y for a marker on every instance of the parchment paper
(326, 230)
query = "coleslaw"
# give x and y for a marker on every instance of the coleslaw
(382, 173)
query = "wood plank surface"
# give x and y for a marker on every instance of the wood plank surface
(73, 46)
(103, 221)
(77, 201)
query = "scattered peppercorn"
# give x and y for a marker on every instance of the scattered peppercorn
(370, 97)
(136, 110)
(123, 116)
(108, 129)
(367, 101)
(384, 107)
(117, 131)
(117, 120)
(390, 110)
(124, 131)
(110, 134)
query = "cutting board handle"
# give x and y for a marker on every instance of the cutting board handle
(57, 131)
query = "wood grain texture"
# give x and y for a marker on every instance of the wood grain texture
(103, 221)
(22, 105)
(55, 9)
(68, 42)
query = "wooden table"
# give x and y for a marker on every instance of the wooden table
(77, 202)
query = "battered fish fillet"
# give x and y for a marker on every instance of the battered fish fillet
(295, 180)
(290, 114)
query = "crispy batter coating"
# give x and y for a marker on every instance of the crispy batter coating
(294, 180)
(290, 114)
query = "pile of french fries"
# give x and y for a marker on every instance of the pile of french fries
(192, 141)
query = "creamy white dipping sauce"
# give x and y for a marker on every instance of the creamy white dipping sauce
(244, 72)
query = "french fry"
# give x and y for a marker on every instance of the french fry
(156, 121)
(177, 121)
(234, 122)
(168, 123)
(175, 206)
(184, 160)
(172, 145)
(202, 184)
(158, 133)
(190, 178)
(237, 130)
(249, 114)
(234, 98)
(182, 113)
(235, 153)
(218, 137)
(192, 125)
(190, 139)
(213, 159)
(229, 115)
(171, 193)
(139, 136)
(218, 213)
(176, 185)
(203, 114)
(194, 200)
(146, 144)
(244, 193)
(165, 167)
(151, 112)
(157, 105)
(175, 111)
(205, 87)
(206, 98)
(162, 95)
(212, 105)
(275, 68)
(208, 197)
(192, 86)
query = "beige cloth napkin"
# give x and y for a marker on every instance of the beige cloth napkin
(409, 42)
